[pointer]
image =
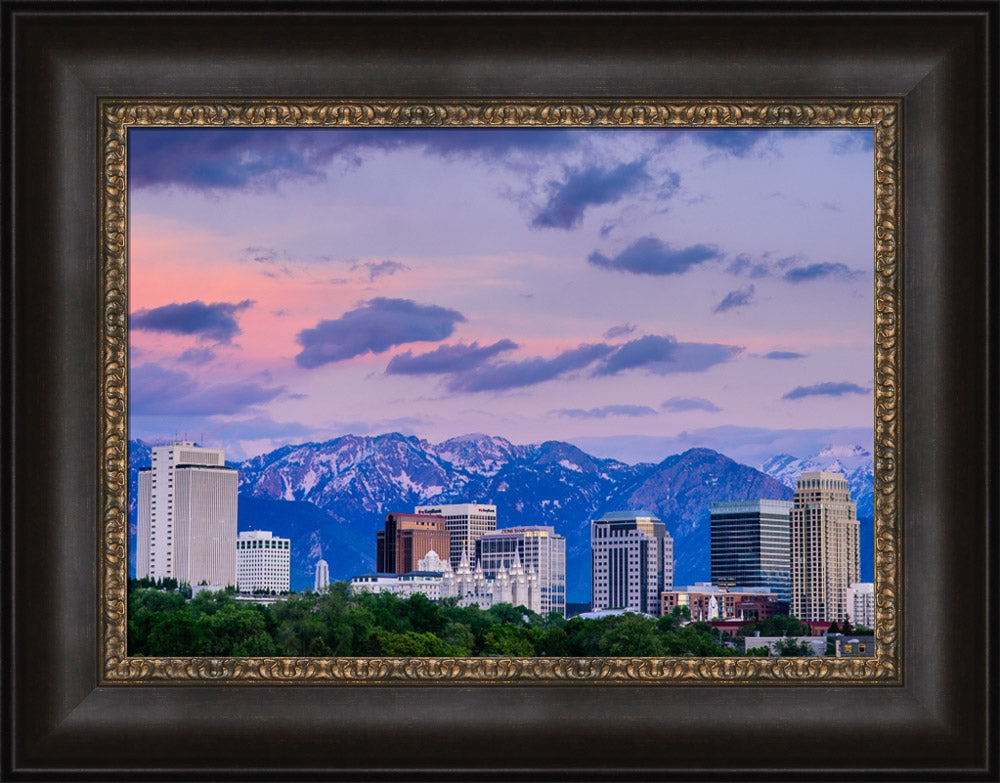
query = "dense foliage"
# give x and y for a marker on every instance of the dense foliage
(164, 622)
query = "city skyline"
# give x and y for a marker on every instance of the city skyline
(582, 285)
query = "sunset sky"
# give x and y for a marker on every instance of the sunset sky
(598, 286)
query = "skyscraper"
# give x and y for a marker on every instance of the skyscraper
(322, 580)
(538, 549)
(751, 545)
(826, 556)
(262, 562)
(632, 561)
(407, 538)
(465, 523)
(186, 516)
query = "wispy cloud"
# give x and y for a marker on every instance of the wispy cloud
(681, 404)
(663, 354)
(527, 372)
(447, 358)
(621, 330)
(738, 298)
(197, 356)
(587, 187)
(651, 256)
(381, 268)
(828, 389)
(216, 321)
(784, 355)
(374, 327)
(606, 410)
(802, 274)
(155, 390)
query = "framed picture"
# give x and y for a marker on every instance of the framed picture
(395, 319)
(78, 84)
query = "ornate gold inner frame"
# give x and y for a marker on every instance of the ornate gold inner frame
(117, 116)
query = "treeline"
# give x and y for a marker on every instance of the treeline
(164, 622)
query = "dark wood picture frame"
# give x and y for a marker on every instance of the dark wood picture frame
(61, 721)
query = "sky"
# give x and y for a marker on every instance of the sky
(608, 287)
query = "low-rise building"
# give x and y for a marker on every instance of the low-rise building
(847, 645)
(711, 602)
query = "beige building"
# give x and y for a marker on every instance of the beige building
(826, 555)
(465, 523)
(632, 561)
(262, 562)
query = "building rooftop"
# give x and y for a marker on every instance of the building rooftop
(625, 516)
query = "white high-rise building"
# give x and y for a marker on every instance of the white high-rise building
(860, 602)
(186, 516)
(539, 549)
(465, 523)
(262, 562)
(632, 561)
(322, 580)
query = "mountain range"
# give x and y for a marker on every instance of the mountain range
(330, 498)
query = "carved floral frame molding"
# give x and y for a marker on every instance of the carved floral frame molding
(117, 116)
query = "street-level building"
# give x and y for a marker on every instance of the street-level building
(262, 562)
(706, 602)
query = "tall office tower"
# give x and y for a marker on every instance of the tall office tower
(538, 549)
(186, 516)
(751, 545)
(407, 538)
(465, 523)
(826, 556)
(262, 562)
(322, 580)
(860, 599)
(632, 558)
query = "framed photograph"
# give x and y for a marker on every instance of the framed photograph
(397, 226)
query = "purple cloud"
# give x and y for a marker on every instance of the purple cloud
(528, 372)
(802, 274)
(155, 390)
(650, 256)
(197, 356)
(447, 358)
(784, 355)
(606, 410)
(664, 355)
(380, 268)
(681, 404)
(738, 298)
(622, 330)
(828, 389)
(374, 327)
(586, 187)
(214, 321)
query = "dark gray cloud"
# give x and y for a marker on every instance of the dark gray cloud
(381, 268)
(784, 355)
(650, 256)
(622, 330)
(155, 390)
(607, 410)
(374, 327)
(587, 187)
(527, 372)
(738, 298)
(664, 355)
(802, 274)
(447, 358)
(216, 321)
(828, 389)
(681, 404)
